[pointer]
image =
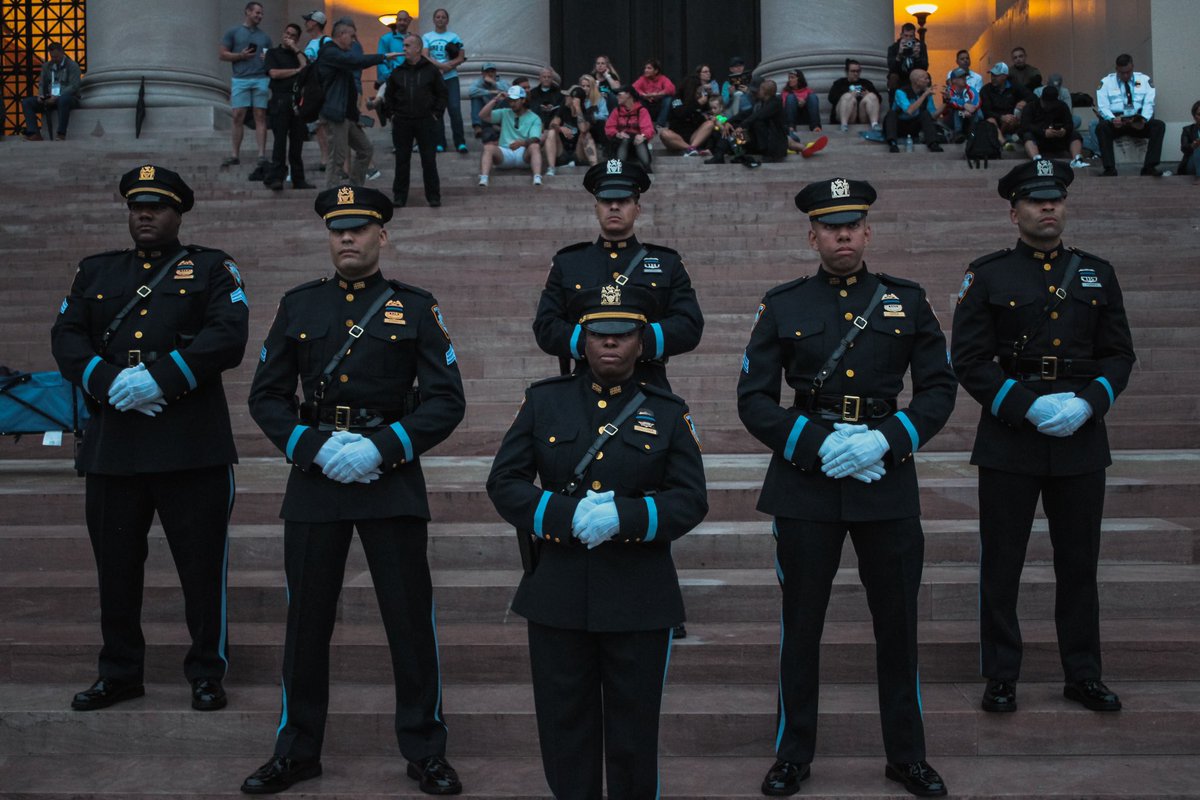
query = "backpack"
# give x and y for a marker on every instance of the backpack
(982, 145)
(308, 93)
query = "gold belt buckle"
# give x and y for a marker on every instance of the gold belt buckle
(135, 357)
(341, 418)
(848, 402)
(1049, 368)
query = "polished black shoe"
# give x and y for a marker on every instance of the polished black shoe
(1000, 696)
(207, 694)
(679, 632)
(892, 146)
(435, 203)
(1108, 173)
(784, 778)
(918, 778)
(1092, 694)
(435, 775)
(1154, 172)
(278, 774)
(104, 693)
(398, 201)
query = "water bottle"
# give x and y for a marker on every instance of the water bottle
(908, 144)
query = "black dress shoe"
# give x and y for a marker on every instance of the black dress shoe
(892, 146)
(278, 774)
(1109, 172)
(435, 775)
(104, 693)
(679, 632)
(1000, 696)
(1153, 172)
(399, 202)
(918, 778)
(1092, 694)
(435, 203)
(784, 778)
(207, 694)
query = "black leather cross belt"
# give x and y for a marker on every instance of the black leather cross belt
(846, 408)
(1049, 368)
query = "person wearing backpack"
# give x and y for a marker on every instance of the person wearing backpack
(285, 65)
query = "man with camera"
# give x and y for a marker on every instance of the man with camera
(1125, 104)
(904, 55)
(246, 46)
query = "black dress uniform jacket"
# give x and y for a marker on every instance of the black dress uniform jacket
(405, 342)
(1003, 294)
(653, 465)
(798, 327)
(589, 264)
(192, 327)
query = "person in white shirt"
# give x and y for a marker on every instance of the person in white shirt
(1125, 105)
(963, 61)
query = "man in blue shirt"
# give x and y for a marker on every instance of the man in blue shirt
(392, 42)
(246, 47)
(446, 50)
(913, 112)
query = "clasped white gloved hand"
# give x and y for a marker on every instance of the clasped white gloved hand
(870, 473)
(854, 453)
(600, 524)
(355, 461)
(1073, 413)
(841, 432)
(590, 501)
(134, 387)
(150, 408)
(1046, 407)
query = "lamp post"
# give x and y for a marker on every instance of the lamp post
(921, 11)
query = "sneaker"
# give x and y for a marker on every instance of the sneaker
(483, 180)
(843, 127)
(1010, 146)
(551, 172)
(374, 174)
(815, 146)
(462, 148)
(60, 137)
(231, 161)
(32, 137)
(691, 151)
(537, 180)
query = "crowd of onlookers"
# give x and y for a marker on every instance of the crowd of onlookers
(543, 125)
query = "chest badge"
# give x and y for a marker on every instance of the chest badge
(644, 422)
(1088, 279)
(652, 265)
(184, 274)
(968, 279)
(893, 310)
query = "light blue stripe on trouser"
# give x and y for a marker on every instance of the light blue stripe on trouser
(437, 708)
(222, 642)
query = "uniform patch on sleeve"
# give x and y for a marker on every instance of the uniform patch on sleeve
(263, 355)
(450, 356)
(238, 296)
(758, 315)
(745, 363)
(692, 427)
(437, 315)
(968, 279)
(63, 308)
(234, 273)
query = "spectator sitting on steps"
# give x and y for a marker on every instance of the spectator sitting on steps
(519, 144)
(854, 99)
(912, 113)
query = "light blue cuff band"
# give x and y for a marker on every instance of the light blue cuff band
(540, 513)
(912, 431)
(1000, 395)
(659, 341)
(575, 342)
(294, 439)
(794, 437)
(405, 442)
(1112, 397)
(87, 373)
(184, 368)
(651, 519)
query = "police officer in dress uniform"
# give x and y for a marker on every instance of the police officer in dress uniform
(1042, 342)
(618, 257)
(358, 343)
(147, 333)
(604, 595)
(842, 461)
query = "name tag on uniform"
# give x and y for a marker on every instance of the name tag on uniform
(394, 318)
(184, 274)
(893, 310)
(1088, 279)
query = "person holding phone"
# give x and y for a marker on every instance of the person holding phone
(1189, 145)
(1125, 104)
(1048, 130)
(854, 99)
(246, 46)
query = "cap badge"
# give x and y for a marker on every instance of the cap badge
(840, 188)
(146, 174)
(1045, 168)
(345, 196)
(614, 166)
(610, 295)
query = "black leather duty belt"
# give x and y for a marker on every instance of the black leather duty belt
(135, 357)
(846, 408)
(1049, 368)
(346, 418)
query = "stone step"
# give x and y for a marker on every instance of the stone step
(479, 545)
(718, 720)
(985, 777)
(1127, 591)
(713, 652)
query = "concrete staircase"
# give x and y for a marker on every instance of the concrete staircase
(484, 254)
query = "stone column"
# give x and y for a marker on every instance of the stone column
(818, 38)
(512, 34)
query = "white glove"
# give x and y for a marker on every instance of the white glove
(150, 408)
(841, 432)
(585, 506)
(857, 451)
(354, 461)
(1046, 407)
(133, 387)
(600, 525)
(869, 473)
(333, 444)
(1070, 417)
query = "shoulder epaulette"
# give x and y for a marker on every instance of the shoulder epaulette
(304, 286)
(661, 248)
(1086, 254)
(892, 280)
(979, 262)
(199, 248)
(783, 287)
(655, 391)
(573, 247)
(105, 254)
(408, 287)
(552, 379)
